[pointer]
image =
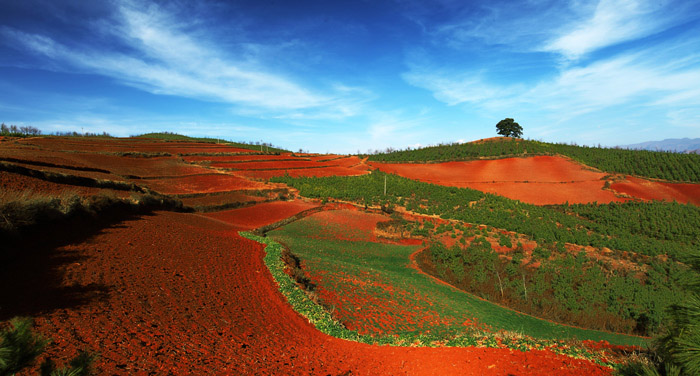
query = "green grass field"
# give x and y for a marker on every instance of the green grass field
(374, 289)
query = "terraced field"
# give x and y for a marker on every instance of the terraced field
(375, 287)
(115, 264)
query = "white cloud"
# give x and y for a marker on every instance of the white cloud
(456, 89)
(612, 22)
(665, 78)
(167, 59)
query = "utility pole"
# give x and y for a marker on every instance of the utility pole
(384, 185)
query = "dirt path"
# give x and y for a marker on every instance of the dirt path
(187, 295)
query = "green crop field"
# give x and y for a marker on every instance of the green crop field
(383, 278)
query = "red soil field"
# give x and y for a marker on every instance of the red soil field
(128, 145)
(272, 165)
(203, 302)
(317, 172)
(201, 184)
(224, 198)
(237, 158)
(78, 163)
(12, 153)
(11, 182)
(538, 180)
(172, 293)
(652, 190)
(73, 172)
(262, 214)
(359, 305)
(142, 167)
(550, 193)
(352, 161)
(352, 225)
(325, 157)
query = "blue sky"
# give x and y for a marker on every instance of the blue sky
(343, 76)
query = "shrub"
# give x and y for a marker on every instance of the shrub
(20, 347)
(680, 346)
(504, 241)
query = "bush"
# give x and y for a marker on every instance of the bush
(504, 241)
(680, 346)
(20, 347)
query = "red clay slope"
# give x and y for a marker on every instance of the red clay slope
(187, 295)
(261, 214)
(538, 180)
(652, 190)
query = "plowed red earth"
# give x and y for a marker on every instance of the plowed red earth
(317, 172)
(143, 167)
(72, 171)
(651, 190)
(201, 184)
(127, 145)
(187, 295)
(224, 198)
(262, 214)
(10, 182)
(324, 157)
(538, 180)
(236, 158)
(99, 166)
(344, 224)
(272, 165)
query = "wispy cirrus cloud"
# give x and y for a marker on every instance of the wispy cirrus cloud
(570, 29)
(161, 54)
(658, 77)
(613, 22)
(642, 76)
(660, 83)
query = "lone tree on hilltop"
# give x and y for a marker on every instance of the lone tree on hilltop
(509, 128)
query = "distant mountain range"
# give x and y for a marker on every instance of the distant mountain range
(681, 145)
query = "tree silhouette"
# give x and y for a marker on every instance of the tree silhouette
(509, 128)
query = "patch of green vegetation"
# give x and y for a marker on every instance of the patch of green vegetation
(21, 212)
(609, 225)
(391, 264)
(656, 228)
(567, 288)
(168, 136)
(326, 323)
(653, 164)
(20, 347)
(296, 297)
